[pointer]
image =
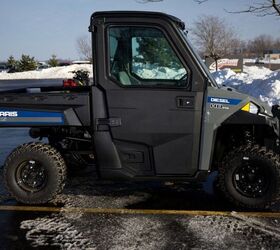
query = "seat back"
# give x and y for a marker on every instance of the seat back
(124, 78)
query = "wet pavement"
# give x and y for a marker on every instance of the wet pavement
(104, 230)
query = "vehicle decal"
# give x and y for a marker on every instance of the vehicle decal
(30, 117)
(221, 100)
(218, 106)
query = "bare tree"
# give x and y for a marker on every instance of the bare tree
(84, 48)
(213, 36)
(276, 44)
(260, 45)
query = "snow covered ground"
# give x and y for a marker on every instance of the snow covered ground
(50, 73)
(258, 82)
(266, 60)
(149, 71)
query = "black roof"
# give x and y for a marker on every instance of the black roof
(105, 14)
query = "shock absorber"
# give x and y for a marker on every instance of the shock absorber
(249, 138)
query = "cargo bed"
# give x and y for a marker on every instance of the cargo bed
(45, 106)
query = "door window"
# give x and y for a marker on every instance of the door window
(142, 56)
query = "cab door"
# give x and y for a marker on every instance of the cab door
(152, 105)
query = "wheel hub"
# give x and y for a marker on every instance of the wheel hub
(250, 179)
(31, 176)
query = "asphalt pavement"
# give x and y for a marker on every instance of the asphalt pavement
(92, 214)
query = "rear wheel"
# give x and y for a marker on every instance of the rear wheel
(249, 177)
(34, 173)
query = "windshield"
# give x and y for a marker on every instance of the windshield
(202, 64)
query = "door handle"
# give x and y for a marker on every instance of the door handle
(185, 102)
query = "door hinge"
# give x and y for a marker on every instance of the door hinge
(105, 123)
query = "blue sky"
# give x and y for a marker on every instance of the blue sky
(42, 28)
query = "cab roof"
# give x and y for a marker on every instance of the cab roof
(141, 14)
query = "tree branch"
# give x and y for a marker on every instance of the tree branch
(148, 1)
(200, 1)
(276, 6)
(270, 7)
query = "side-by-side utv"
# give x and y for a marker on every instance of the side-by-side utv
(153, 112)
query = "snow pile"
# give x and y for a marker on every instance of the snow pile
(54, 230)
(50, 73)
(221, 76)
(150, 71)
(258, 82)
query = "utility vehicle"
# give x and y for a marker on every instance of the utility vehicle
(152, 112)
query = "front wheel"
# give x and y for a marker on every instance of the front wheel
(249, 177)
(34, 173)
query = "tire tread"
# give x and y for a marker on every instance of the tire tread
(54, 156)
(254, 150)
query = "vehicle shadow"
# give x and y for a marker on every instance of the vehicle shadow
(157, 195)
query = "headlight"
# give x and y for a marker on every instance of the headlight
(251, 108)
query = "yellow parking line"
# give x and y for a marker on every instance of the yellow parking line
(137, 211)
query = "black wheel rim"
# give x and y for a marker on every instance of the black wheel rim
(251, 178)
(31, 176)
